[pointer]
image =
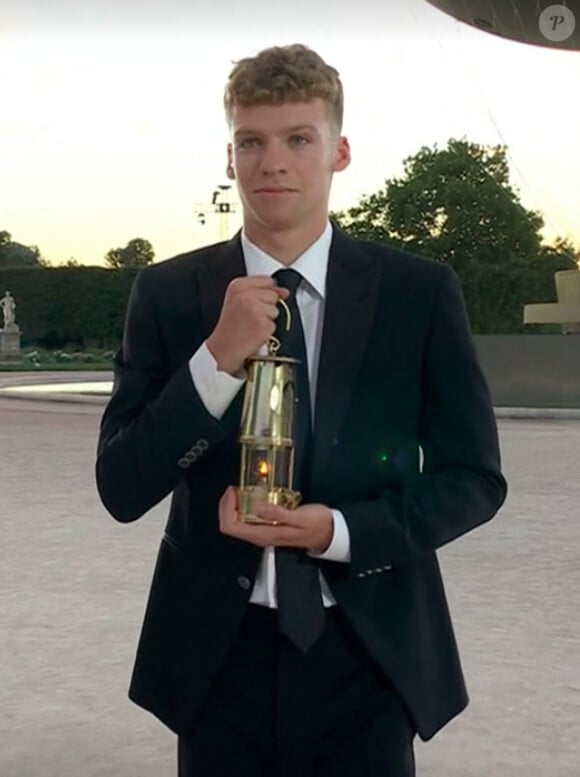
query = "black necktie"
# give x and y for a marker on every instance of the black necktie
(300, 608)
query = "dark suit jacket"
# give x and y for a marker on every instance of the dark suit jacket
(398, 374)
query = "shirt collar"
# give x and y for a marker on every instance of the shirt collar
(312, 264)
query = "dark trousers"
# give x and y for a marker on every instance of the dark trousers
(274, 712)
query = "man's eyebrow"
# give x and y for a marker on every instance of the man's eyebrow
(293, 128)
(298, 127)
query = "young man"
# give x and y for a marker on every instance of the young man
(319, 646)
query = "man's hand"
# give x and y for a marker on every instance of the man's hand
(247, 320)
(309, 526)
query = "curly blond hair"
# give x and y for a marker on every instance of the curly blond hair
(282, 74)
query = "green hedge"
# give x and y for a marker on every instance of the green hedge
(84, 307)
(495, 294)
(69, 306)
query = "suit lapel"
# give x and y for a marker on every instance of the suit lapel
(214, 277)
(351, 296)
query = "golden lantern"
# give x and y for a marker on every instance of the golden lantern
(266, 432)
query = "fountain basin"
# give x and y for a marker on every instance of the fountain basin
(88, 391)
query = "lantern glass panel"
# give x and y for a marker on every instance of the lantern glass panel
(268, 467)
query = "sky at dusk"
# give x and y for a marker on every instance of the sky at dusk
(111, 124)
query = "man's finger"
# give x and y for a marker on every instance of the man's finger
(258, 281)
(279, 514)
(264, 536)
(228, 497)
(228, 505)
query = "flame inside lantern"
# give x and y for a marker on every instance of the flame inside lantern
(263, 468)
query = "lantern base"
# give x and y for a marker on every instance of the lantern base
(250, 496)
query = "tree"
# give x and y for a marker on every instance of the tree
(137, 253)
(562, 251)
(455, 205)
(14, 254)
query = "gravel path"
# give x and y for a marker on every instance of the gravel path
(73, 585)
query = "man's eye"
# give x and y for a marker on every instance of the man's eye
(247, 142)
(299, 140)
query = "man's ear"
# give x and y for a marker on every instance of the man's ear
(230, 172)
(342, 155)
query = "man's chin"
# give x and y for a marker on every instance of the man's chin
(278, 221)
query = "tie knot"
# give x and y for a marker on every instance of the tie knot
(289, 279)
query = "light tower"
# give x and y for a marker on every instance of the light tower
(221, 206)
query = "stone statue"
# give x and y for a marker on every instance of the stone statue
(8, 306)
(10, 334)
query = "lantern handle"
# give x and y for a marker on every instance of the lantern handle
(273, 342)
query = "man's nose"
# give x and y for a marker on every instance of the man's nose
(274, 159)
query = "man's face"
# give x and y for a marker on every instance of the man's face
(284, 157)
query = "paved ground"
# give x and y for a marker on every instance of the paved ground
(73, 585)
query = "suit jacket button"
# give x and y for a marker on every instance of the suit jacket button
(183, 463)
(244, 582)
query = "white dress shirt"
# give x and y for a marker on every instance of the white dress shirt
(217, 389)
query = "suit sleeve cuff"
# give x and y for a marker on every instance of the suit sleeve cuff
(216, 389)
(339, 548)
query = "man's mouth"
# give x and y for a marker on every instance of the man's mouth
(273, 190)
